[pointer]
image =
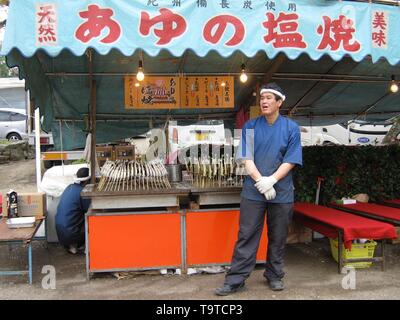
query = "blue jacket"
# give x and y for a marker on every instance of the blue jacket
(70, 216)
(269, 146)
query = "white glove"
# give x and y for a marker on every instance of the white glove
(265, 183)
(270, 194)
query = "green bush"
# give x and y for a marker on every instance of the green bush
(348, 170)
(79, 161)
(5, 141)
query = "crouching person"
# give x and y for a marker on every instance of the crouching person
(70, 216)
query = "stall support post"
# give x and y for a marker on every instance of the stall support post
(383, 247)
(183, 242)
(87, 244)
(92, 113)
(37, 148)
(62, 146)
(30, 261)
(29, 103)
(93, 131)
(340, 251)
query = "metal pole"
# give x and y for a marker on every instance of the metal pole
(37, 149)
(267, 76)
(62, 147)
(340, 251)
(30, 261)
(28, 107)
(329, 80)
(183, 214)
(87, 244)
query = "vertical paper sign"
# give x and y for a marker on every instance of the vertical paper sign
(192, 92)
(130, 94)
(152, 93)
(46, 24)
(207, 92)
(379, 29)
(228, 93)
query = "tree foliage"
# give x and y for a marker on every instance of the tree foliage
(347, 171)
(5, 71)
(4, 3)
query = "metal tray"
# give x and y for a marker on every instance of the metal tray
(23, 222)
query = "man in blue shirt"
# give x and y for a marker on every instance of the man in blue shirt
(70, 216)
(270, 148)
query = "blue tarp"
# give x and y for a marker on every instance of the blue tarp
(48, 41)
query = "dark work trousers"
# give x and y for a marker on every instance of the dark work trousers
(68, 238)
(252, 217)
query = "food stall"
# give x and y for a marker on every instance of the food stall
(120, 68)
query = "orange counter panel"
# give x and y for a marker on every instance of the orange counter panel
(134, 241)
(211, 237)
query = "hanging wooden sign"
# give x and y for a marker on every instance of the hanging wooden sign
(184, 93)
(152, 93)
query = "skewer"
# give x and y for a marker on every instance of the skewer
(123, 175)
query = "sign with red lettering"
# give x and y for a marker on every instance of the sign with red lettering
(337, 28)
(380, 27)
(46, 24)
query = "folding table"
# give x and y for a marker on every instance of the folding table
(371, 210)
(346, 227)
(395, 203)
(23, 236)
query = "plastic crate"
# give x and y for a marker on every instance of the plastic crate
(358, 251)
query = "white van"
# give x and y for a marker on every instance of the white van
(355, 132)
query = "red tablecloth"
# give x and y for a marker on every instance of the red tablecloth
(395, 201)
(327, 221)
(373, 209)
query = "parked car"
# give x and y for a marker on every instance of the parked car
(13, 124)
(354, 132)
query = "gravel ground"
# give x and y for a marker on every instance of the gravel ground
(311, 273)
(19, 176)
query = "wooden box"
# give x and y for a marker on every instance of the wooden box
(103, 153)
(297, 233)
(125, 152)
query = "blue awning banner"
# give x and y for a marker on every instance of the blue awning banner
(336, 28)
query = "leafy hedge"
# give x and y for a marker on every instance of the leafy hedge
(348, 170)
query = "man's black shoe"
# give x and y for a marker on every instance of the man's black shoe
(276, 285)
(227, 289)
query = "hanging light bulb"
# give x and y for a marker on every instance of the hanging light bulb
(393, 85)
(137, 84)
(223, 84)
(140, 73)
(243, 75)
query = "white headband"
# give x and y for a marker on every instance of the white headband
(273, 91)
(77, 180)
